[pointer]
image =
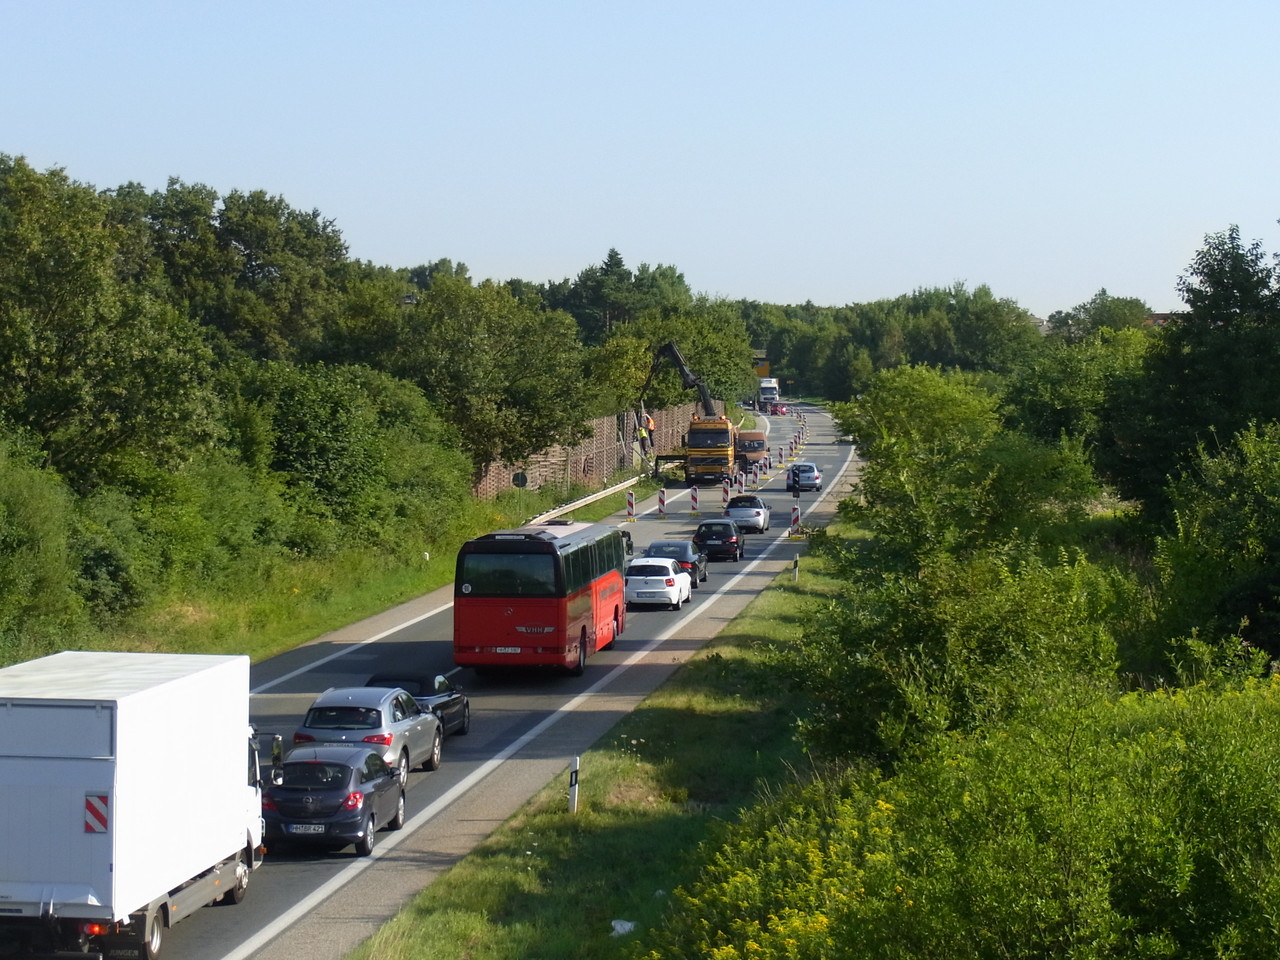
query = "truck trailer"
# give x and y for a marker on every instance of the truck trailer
(131, 786)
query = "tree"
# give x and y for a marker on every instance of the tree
(1209, 372)
(93, 366)
(1103, 311)
(507, 374)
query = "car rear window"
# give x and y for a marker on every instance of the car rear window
(314, 773)
(343, 718)
(666, 550)
(745, 502)
(715, 529)
(648, 570)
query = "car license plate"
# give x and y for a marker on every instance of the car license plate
(714, 543)
(506, 649)
(306, 828)
(647, 594)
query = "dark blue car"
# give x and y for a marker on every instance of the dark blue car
(332, 796)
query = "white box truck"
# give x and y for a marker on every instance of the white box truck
(131, 793)
(767, 393)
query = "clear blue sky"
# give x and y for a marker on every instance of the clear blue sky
(837, 152)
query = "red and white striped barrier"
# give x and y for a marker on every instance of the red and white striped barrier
(693, 501)
(795, 520)
(724, 493)
(662, 502)
(631, 506)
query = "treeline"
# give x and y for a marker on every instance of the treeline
(1045, 710)
(204, 395)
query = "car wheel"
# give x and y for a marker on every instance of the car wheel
(465, 727)
(397, 821)
(364, 846)
(402, 768)
(674, 604)
(703, 578)
(437, 748)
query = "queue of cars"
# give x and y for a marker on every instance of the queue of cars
(345, 777)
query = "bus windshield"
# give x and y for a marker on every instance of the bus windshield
(508, 575)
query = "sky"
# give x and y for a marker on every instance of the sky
(833, 151)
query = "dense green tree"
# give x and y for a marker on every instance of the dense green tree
(1209, 372)
(1102, 312)
(1070, 387)
(92, 366)
(507, 374)
(1221, 565)
(943, 475)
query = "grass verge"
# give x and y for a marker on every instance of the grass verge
(666, 779)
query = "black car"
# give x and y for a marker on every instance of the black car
(438, 695)
(720, 539)
(331, 796)
(692, 560)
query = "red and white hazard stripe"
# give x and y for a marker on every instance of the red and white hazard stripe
(95, 813)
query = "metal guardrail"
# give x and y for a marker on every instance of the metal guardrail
(574, 505)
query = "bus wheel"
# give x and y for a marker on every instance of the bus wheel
(580, 667)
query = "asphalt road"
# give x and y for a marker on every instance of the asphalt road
(525, 731)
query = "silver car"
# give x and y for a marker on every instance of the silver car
(387, 717)
(749, 512)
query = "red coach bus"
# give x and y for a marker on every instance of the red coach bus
(548, 594)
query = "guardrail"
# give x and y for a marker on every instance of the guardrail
(570, 507)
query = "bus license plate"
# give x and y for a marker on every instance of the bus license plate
(506, 649)
(306, 828)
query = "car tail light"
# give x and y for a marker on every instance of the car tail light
(268, 802)
(303, 738)
(354, 801)
(671, 581)
(382, 739)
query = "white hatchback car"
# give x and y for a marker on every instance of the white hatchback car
(657, 580)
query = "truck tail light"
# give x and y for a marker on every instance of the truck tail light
(381, 739)
(354, 801)
(92, 929)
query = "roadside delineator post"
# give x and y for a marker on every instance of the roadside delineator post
(693, 501)
(662, 502)
(573, 784)
(631, 506)
(724, 493)
(795, 522)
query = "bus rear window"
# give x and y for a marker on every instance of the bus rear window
(508, 575)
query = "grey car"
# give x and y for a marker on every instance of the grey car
(386, 717)
(749, 512)
(804, 476)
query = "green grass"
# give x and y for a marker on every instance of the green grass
(547, 884)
